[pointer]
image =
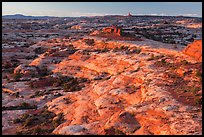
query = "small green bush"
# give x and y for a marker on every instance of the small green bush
(17, 76)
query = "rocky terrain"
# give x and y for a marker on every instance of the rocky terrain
(102, 87)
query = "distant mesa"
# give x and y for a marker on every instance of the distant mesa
(113, 30)
(194, 50)
(21, 16)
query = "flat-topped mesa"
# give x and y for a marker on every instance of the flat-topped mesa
(113, 30)
(194, 50)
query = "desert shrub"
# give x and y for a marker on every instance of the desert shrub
(16, 94)
(17, 120)
(86, 52)
(31, 57)
(19, 107)
(11, 64)
(89, 42)
(40, 93)
(37, 130)
(71, 46)
(25, 105)
(29, 121)
(198, 101)
(47, 114)
(6, 65)
(113, 131)
(131, 88)
(155, 57)
(164, 63)
(198, 74)
(17, 76)
(102, 50)
(38, 123)
(122, 48)
(191, 89)
(31, 84)
(39, 50)
(61, 80)
(67, 100)
(184, 62)
(43, 71)
(151, 58)
(72, 85)
(19, 133)
(60, 118)
(136, 70)
(119, 132)
(136, 50)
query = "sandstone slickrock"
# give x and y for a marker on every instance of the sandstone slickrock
(122, 92)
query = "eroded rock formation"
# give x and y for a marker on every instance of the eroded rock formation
(194, 50)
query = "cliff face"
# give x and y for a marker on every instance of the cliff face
(194, 50)
(112, 30)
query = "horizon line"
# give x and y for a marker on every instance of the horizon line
(185, 15)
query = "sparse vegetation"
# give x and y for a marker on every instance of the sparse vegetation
(164, 63)
(198, 101)
(67, 100)
(113, 131)
(43, 71)
(89, 42)
(40, 93)
(17, 76)
(135, 50)
(57, 121)
(23, 105)
(198, 74)
(131, 89)
(180, 86)
(72, 84)
(103, 50)
(184, 62)
(39, 50)
(119, 132)
(31, 57)
(191, 89)
(40, 123)
(155, 57)
(136, 70)
(122, 48)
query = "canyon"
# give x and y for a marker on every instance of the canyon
(103, 75)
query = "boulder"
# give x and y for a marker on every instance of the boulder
(122, 123)
(72, 130)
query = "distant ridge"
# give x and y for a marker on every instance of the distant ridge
(21, 16)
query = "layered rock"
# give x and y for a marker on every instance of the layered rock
(113, 30)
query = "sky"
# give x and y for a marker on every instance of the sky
(77, 9)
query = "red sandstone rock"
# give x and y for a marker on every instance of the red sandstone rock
(194, 50)
(114, 30)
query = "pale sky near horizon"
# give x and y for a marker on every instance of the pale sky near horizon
(76, 9)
